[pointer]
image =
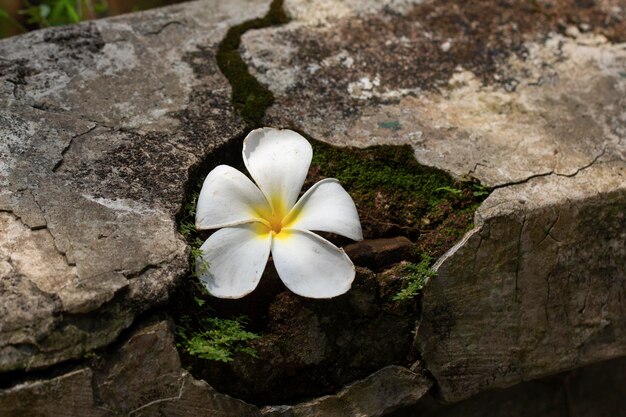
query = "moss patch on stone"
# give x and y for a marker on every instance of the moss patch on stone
(250, 98)
(395, 195)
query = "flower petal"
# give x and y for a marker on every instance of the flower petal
(233, 260)
(310, 265)
(326, 207)
(278, 161)
(228, 198)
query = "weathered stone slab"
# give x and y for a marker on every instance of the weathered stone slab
(508, 94)
(100, 124)
(591, 391)
(68, 395)
(143, 377)
(501, 102)
(537, 288)
(377, 395)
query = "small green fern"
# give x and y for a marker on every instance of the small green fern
(415, 279)
(215, 338)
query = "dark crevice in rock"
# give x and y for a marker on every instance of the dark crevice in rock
(162, 28)
(315, 347)
(92, 322)
(552, 172)
(93, 358)
(590, 390)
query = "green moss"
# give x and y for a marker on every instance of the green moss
(249, 97)
(187, 228)
(395, 195)
(389, 168)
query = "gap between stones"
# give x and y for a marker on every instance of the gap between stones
(251, 99)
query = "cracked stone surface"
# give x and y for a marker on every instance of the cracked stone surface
(116, 384)
(537, 288)
(528, 102)
(100, 124)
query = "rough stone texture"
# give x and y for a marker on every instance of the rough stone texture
(68, 395)
(593, 391)
(538, 287)
(311, 347)
(377, 395)
(526, 99)
(478, 89)
(141, 378)
(100, 124)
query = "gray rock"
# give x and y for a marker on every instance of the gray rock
(537, 288)
(101, 123)
(530, 103)
(143, 377)
(377, 395)
(68, 395)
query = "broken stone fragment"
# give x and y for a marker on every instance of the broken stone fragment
(143, 377)
(537, 288)
(378, 254)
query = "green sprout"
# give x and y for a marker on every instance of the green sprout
(414, 281)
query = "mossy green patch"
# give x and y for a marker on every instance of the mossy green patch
(395, 195)
(249, 97)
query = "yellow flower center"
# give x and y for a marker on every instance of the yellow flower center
(275, 223)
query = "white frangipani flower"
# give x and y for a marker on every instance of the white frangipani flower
(255, 221)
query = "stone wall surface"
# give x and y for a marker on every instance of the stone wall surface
(101, 124)
(143, 377)
(538, 287)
